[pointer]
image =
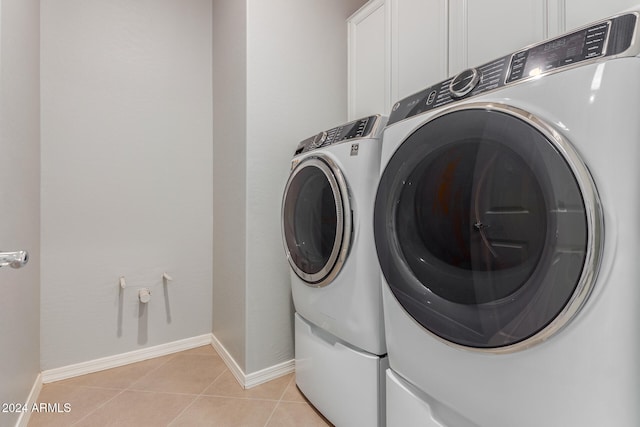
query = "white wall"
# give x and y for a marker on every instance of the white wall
(229, 176)
(295, 83)
(297, 86)
(126, 174)
(19, 200)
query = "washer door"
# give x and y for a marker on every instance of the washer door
(316, 220)
(488, 228)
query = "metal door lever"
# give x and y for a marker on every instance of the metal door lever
(14, 259)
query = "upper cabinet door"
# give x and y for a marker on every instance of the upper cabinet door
(419, 45)
(482, 30)
(580, 12)
(368, 61)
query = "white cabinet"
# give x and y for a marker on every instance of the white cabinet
(368, 61)
(482, 30)
(419, 45)
(396, 48)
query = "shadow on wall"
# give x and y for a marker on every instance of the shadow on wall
(144, 296)
(143, 323)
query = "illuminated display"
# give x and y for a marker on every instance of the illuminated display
(555, 53)
(579, 46)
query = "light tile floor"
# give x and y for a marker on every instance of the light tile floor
(191, 388)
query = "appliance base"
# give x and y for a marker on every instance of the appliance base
(345, 384)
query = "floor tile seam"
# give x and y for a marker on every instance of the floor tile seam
(278, 399)
(261, 399)
(195, 399)
(293, 401)
(297, 403)
(170, 357)
(133, 387)
(96, 387)
(179, 414)
(213, 381)
(275, 408)
(293, 378)
(121, 390)
(279, 402)
(174, 393)
(98, 408)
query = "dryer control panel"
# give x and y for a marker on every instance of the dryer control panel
(606, 38)
(360, 128)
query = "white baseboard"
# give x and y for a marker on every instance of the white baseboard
(245, 380)
(232, 365)
(117, 360)
(23, 419)
(267, 374)
(255, 378)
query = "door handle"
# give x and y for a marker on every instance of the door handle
(14, 259)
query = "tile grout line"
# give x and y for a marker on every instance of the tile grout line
(224, 396)
(130, 387)
(122, 390)
(293, 378)
(197, 396)
(171, 357)
(98, 407)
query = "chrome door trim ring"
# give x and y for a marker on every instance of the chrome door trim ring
(342, 242)
(594, 220)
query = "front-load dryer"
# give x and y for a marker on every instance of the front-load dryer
(506, 226)
(327, 225)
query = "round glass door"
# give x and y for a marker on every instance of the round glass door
(488, 228)
(316, 219)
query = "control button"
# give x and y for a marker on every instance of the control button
(464, 82)
(432, 97)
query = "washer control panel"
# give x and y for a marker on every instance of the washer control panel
(606, 38)
(356, 129)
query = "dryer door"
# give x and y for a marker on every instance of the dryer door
(488, 228)
(316, 220)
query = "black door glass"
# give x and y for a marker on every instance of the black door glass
(480, 228)
(310, 220)
(472, 208)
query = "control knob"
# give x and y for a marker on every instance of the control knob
(464, 82)
(319, 140)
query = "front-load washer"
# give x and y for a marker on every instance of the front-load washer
(506, 226)
(327, 225)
